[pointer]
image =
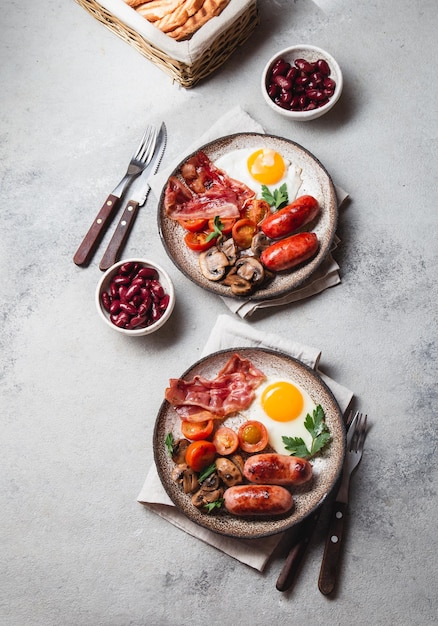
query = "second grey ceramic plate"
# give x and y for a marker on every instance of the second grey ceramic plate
(315, 181)
(326, 466)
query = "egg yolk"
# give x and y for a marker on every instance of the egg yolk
(282, 401)
(266, 166)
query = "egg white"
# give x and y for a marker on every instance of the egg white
(234, 164)
(277, 430)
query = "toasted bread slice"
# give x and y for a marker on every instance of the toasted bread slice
(209, 9)
(179, 16)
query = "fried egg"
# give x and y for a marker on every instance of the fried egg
(282, 405)
(263, 166)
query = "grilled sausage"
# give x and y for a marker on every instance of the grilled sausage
(277, 469)
(258, 500)
(287, 253)
(289, 219)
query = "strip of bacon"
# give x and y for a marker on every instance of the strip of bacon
(232, 390)
(208, 191)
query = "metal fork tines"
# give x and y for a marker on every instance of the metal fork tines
(355, 445)
(138, 162)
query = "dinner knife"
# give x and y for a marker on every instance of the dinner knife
(137, 200)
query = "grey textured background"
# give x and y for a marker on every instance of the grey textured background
(79, 401)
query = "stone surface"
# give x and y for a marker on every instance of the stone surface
(79, 401)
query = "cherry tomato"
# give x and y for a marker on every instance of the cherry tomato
(195, 225)
(253, 436)
(225, 440)
(243, 231)
(197, 430)
(257, 210)
(198, 241)
(199, 454)
(227, 224)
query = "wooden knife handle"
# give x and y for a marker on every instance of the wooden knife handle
(291, 567)
(94, 235)
(118, 240)
(332, 551)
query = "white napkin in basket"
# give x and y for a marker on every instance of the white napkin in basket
(327, 275)
(230, 333)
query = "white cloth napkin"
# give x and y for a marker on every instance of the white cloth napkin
(229, 333)
(238, 121)
(185, 51)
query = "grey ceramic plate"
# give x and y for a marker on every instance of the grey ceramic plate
(316, 182)
(326, 467)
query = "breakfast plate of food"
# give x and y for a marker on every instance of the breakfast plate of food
(248, 216)
(248, 442)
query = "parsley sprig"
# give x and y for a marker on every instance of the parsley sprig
(217, 229)
(214, 505)
(169, 443)
(206, 472)
(320, 435)
(277, 199)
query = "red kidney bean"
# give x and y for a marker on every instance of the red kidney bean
(329, 83)
(164, 302)
(157, 289)
(292, 73)
(304, 66)
(129, 308)
(302, 81)
(303, 86)
(144, 306)
(136, 321)
(147, 272)
(121, 280)
(283, 82)
(273, 90)
(280, 67)
(106, 301)
(121, 319)
(323, 67)
(135, 297)
(114, 307)
(133, 290)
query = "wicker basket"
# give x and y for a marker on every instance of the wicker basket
(187, 75)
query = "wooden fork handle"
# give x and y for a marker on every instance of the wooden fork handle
(121, 233)
(332, 551)
(96, 231)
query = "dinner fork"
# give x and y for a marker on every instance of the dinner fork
(138, 162)
(355, 444)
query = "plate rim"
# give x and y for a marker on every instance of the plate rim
(263, 533)
(252, 297)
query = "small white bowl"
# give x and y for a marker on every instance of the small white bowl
(117, 270)
(310, 54)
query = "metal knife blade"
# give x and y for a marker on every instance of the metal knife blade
(137, 200)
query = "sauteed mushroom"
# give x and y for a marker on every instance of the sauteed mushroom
(179, 450)
(250, 268)
(228, 247)
(185, 476)
(213, 263)
(259, 243)
(228, 472)
(238, 285)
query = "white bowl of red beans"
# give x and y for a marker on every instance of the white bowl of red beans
(302, 82)
(135, 297)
